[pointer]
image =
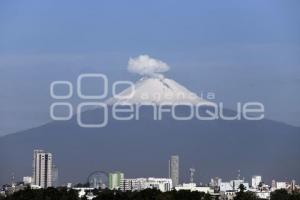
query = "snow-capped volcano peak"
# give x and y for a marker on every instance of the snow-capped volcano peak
(156, 90)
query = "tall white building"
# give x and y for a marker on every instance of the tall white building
(255, 181)
(42, 168)
(174, 170)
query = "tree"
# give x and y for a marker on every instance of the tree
(242, 195)
(280, 195)
(44, 194)
(260, 185)
(242, 188)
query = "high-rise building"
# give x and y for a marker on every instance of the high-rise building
(174, 169)
(42, 168)
(114, 180)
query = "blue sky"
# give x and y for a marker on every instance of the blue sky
(241, 50)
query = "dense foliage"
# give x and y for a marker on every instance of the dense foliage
(44, 194)
(242, 195)
(284, 195)
(64, 194)
(149, 194)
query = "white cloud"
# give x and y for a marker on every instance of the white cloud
(145, 65)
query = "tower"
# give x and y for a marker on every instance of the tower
(239, 175)
(192, 172)
(174, 169)
(293, 185)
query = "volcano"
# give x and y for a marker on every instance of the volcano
(141, 148)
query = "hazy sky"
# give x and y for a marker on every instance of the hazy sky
(241, 50)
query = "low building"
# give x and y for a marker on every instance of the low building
(27, 180)
(281, 185)
(137, 184)
(162, 184)
(233, 185)
(14, 187)
(263, 194)
(193, 187)
(129, 184)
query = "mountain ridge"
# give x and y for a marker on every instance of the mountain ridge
(141, 148)
(221, 147)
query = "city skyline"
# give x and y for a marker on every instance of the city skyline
(42, 158)
(43, 177)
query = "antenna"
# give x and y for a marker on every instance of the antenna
(169, 168)
(12, 179)
(239, 175)
(192, 172)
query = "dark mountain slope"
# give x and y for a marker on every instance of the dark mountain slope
(142, 148)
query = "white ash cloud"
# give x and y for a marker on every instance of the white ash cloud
(145, 65)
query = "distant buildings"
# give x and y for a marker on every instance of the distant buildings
(162, 184)
(42, 169)
(174, 170)
(215, 182)
(137, 184)
(281, 185)
(45, 174)
(233, 185)
(27, 180)
(290, 186)
(193, 187)
(114, 180)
